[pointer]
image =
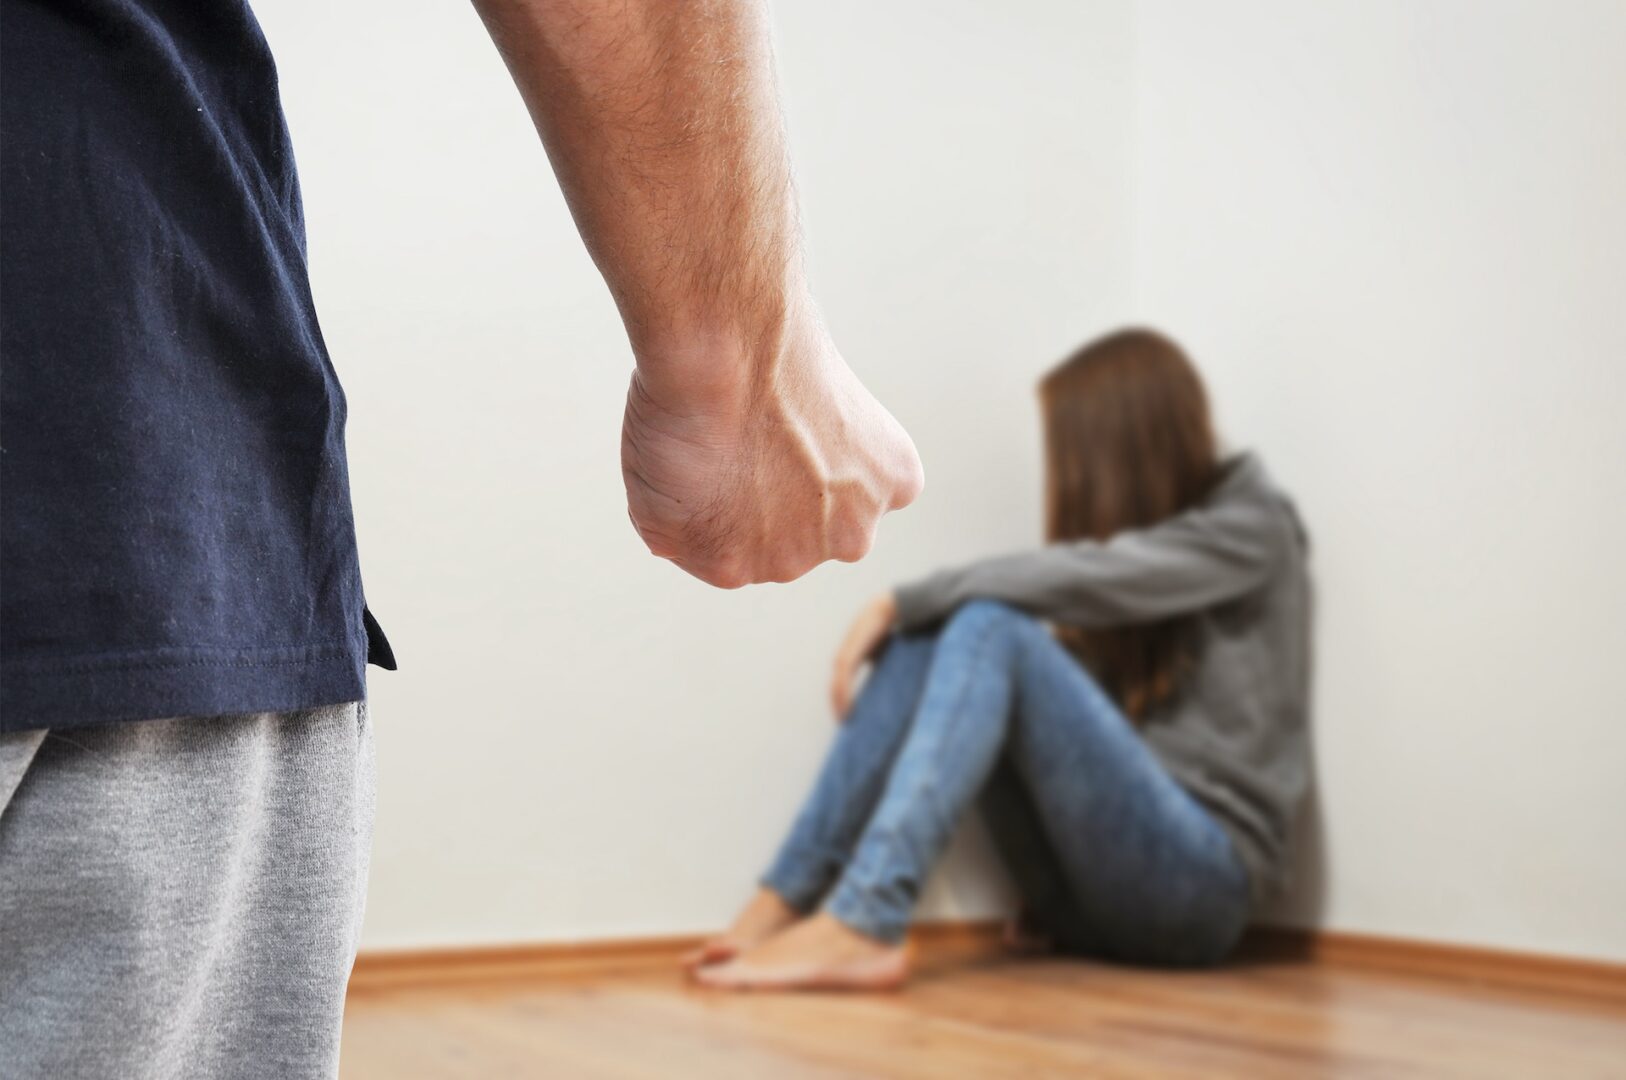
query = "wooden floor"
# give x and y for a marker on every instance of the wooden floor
(967, 1018)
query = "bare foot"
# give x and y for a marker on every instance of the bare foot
(819, 953)
(764, 916)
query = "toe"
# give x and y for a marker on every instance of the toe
(721, 976)
(712, 952)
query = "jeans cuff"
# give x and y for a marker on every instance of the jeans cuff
(851, 907)
(801, 890)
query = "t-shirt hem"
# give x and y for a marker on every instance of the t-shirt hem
(81, 691)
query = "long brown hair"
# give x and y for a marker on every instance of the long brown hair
(1128, 442)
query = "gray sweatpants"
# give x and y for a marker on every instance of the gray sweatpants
(181, 898)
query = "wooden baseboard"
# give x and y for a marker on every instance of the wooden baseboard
(1535, 973)
(394, 969)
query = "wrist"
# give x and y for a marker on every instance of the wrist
(706, 361)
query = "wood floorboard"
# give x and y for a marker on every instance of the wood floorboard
(988, 1020)
(1291, 1016)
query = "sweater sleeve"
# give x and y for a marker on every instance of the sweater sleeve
(1203, 557)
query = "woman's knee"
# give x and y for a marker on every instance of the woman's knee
(981, 616)
(902, 655)
(991, 628)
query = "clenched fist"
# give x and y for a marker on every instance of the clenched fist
(756, 462)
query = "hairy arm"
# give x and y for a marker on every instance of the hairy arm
(663, 126)
(750, 451)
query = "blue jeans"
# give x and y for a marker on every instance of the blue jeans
(1112, 856)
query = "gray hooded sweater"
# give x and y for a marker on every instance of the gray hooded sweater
(1235, 733)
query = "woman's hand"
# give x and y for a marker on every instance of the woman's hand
(865, 636)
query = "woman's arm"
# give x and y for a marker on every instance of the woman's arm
(1218, 551)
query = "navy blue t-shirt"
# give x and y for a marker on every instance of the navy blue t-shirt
(175, 527)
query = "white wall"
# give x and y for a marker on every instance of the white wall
(1395, 235)
(582, 741)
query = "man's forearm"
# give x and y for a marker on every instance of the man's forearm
(749, 449)
(663, 125)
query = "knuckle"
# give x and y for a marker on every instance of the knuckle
(854, 548)
(908, 481)
(851, 536)
(788, 569)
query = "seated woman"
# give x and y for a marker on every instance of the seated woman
(1138, 764)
